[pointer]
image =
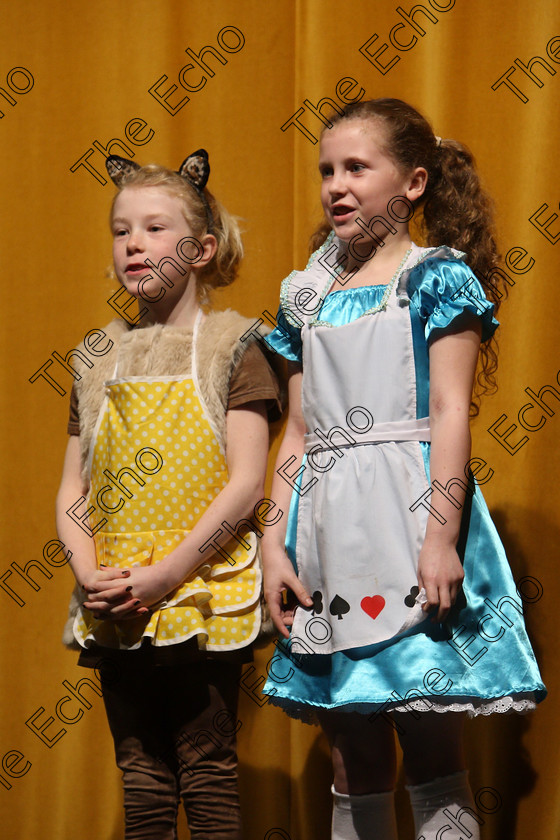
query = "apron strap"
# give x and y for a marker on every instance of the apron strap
(194, 356)
(196, 382)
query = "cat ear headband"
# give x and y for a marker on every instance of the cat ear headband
(195, 169)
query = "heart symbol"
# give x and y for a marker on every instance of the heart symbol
(372, 605)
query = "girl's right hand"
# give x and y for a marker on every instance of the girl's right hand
(281, 580)
(109, 583)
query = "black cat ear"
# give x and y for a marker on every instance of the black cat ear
(118, 168)
(196, 169)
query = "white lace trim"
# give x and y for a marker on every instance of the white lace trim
(522, 703)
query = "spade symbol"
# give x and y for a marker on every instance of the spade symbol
(339, 607)
(410, 600)
(317, 602)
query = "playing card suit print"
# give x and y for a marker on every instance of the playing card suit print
(339, 607)
(410, 600)
(372, 605)
(317, 602)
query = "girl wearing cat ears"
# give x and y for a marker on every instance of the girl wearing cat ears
(168, 446)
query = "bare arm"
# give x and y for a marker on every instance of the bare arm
(247, 449)
(453, 360)
(279, 575)
(76, 540)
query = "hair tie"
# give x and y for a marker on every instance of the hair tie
(438, 141)
(195, 170)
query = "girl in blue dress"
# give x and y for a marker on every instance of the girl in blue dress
(388, 569)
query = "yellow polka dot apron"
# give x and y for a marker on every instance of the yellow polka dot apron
(156, 466)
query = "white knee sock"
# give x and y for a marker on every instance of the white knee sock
(444, 808)
(364, 817)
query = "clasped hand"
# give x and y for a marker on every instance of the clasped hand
(114, 593)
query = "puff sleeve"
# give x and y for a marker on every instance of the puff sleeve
(285, 339)
(442, 290)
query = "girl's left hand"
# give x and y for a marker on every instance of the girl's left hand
(441, 573)
(144, 587)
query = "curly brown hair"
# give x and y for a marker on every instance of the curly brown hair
(454, 209)
(222, 269)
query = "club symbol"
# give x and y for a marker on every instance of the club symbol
(410, 600)
(317, 602)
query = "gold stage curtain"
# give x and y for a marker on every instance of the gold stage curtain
(77, 78)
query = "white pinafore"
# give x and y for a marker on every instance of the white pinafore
(156, 466)
(358, 540)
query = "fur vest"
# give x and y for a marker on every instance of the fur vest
(159, 350)
(165, 351)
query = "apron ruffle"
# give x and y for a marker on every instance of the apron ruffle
(219, 603)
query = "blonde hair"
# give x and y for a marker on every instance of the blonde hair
(222, 268)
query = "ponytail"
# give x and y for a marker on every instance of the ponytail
(457, 211)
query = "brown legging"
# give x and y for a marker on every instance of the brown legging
(174, 730)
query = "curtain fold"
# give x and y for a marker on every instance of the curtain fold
(80, 81)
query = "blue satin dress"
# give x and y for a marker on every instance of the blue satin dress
(480, 660)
